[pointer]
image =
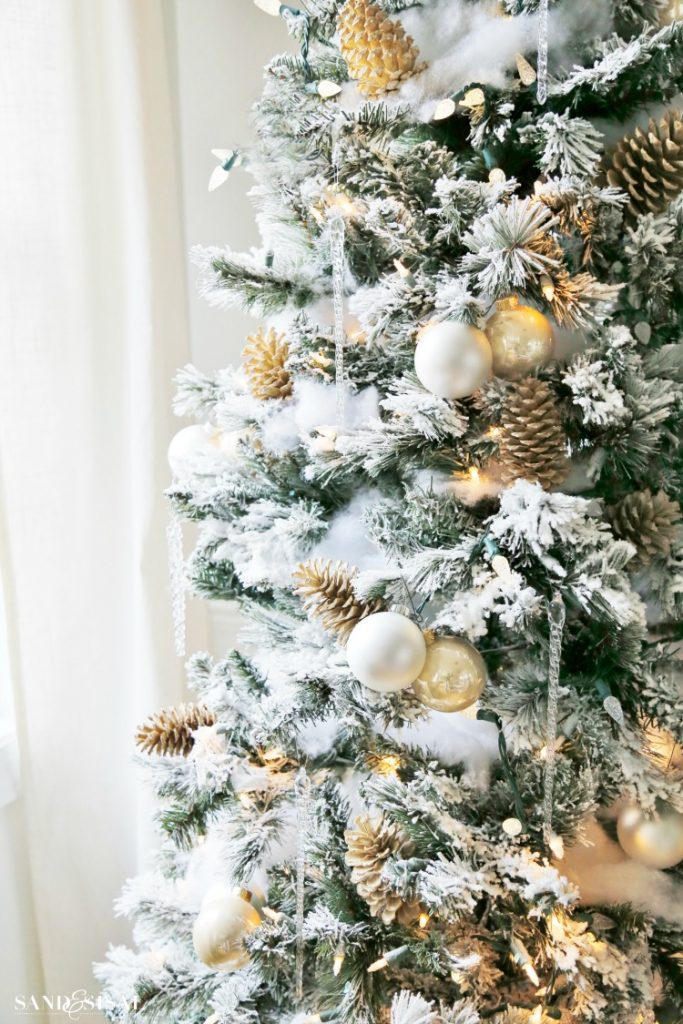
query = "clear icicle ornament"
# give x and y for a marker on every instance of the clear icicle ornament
(176, 575)
(556, 617)
(337, 236)
(302, 792)
(542, 63)
(337, 233)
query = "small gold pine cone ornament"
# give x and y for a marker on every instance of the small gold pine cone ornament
(326, 588)
(379, 54)
(649, 521)
(648, 164)
(370, 844)
(533, 443)
(171, 730)
(265, 356)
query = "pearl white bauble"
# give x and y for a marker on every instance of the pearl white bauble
(521, 340)
(220, 927)
(453, 675)
(452, 359)
(656, 841)
(200, 442)
(386, 651)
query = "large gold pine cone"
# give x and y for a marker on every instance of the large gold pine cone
(369, 845)
(378, 52)
(648, 164)
(326, 588)
(648, 521)
(265, 356)
(171, 731)
(533, 443)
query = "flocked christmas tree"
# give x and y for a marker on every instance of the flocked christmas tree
(439, 783)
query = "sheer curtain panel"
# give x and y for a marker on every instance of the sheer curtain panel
(93, 320)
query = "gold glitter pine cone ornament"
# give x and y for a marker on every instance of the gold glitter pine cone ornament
(265, 356)
(327, 593)
(533, 443)
(370, 843)
(649, 521)
(378, 52)
(648, 164)
(171, 730)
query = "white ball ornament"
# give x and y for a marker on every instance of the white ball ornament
(201, 442)
(220, 928)
(386, 652)
(452, 359)
(654, 840)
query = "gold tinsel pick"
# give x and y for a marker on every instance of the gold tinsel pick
(326, 588)
(370, 843)
(648, 164)
(265, 356)
(533, 443)
(171, 731)
(648, 521)
(379, 54)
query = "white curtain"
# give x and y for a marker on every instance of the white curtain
(92, 326)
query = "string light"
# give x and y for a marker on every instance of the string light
(424, 919)
(388, 765)
(547, 287)
(497, 176)
(520, 954)
(274, 915)
(338, 962)
(531, 974)
(494, 433)
(335, 196)
(403, 272)
(327, 89)
(473, 98)
(389, 958)
(473, 474)
(444, 109)
(556, 844)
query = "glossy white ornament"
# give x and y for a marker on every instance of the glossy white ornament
(654, 840)
(200, 442)
(452, 359)
(220, 928)
(386, 651)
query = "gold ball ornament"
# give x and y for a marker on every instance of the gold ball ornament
(453, 675)
(521, 340)
(654, 840)
(220, 928)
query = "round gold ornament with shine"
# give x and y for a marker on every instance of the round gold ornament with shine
(453, 675)
(521, 340)
(654, 840)
(220, 928)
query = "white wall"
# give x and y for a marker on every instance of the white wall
(222, 47)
